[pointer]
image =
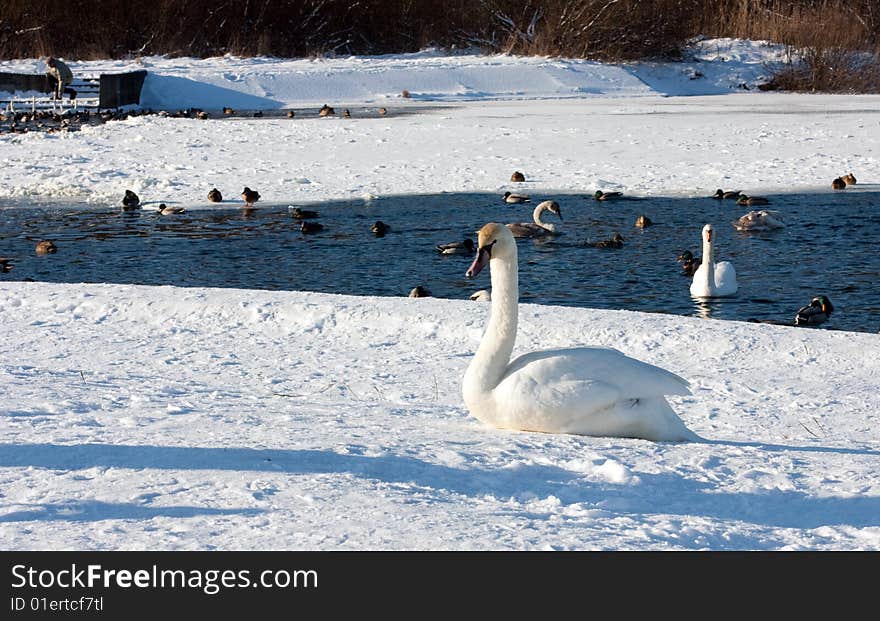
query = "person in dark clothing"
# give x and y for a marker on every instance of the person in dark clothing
(62, 75)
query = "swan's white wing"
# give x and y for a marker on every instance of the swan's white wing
(725, 278)
(591, 391)
(595, 369)
(698, 282)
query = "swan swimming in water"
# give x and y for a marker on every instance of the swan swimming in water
(760, 220)
(590, 391)
(713, 280)
(538, 228)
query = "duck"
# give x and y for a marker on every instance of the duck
(214, 196)
(311, 227)
(713, 280)
(130, 200)
(510, 197)
(250, 197)
(465, 245)
(304, 214)
(751, 200)
(383, 111)
(346, 113)
(4, 265)
(591, 391)
(538, 228)
(838, 184)
(719, 194)
(227, 110)
(46, 246)
(326, 111)
(643, 221)
(379, 228)
(483, 295)
(616, 242)
(817, 311)
(165, 210)
(689, 263)
(419, 292)
(202, 115)
(517, 177)
(607, 196)
(291, 114)
(849, 179)
(760, 220)
(258, 114)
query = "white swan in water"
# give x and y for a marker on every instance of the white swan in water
(586, 390)
(760, 220)
(713, 280)
(538, 228)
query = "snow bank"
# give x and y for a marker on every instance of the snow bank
(169, 418)
(711, 67)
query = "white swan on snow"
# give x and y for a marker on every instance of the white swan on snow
(586, 390)
(713, 280)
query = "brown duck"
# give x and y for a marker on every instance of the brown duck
(250, 197)
(46, 246)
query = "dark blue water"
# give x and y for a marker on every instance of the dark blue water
(830, 247)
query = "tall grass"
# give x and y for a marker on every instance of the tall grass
(838, 40)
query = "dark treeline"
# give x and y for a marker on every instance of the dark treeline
(841, 36)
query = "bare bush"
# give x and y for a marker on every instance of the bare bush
(832, 37)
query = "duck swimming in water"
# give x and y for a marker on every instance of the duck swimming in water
(817, 311)
(379, 228)
(46, 246)
(752, 200)
(165, 210)
(689, 263)
(719, 194)
(303, 214)
(607, 196)
(510, 197)
(465, 245)
(615, 242)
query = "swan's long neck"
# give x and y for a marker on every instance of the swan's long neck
(490, 362)
(709, 262)
(536, 216)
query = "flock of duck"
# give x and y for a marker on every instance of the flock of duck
(710, 278)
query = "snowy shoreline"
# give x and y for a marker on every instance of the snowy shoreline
(232, 419)
(138, 417)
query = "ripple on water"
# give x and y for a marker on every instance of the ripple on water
(778, 271)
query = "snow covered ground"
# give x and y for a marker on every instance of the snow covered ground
(165, 418)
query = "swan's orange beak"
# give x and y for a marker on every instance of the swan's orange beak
(481, 260)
